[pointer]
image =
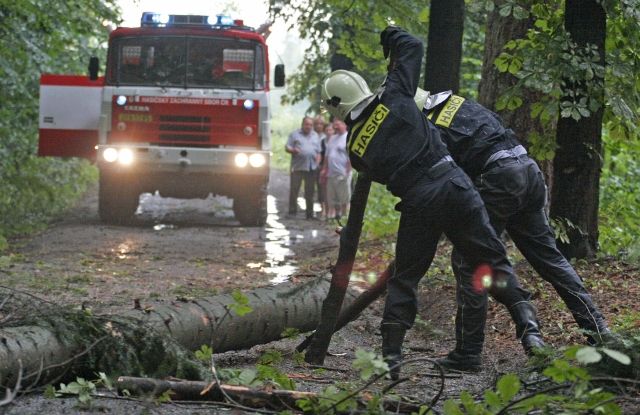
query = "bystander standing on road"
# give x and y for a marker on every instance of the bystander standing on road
(304, 147)
(328, 134)
(337, 169)
(319, 125)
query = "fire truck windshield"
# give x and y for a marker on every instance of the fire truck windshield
(187, 61)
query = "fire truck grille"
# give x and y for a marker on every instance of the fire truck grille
(184, 128)
(184, 118)
(184, 137)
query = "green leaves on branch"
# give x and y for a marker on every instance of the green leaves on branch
(579, 394)
(240, 306)
(347, 29)
(369, 364)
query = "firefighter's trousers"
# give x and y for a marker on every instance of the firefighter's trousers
(447, 204)
(514, 194)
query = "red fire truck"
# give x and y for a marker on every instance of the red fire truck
(183, 109)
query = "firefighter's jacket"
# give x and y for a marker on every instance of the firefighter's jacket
(471, 132)
(391, 140)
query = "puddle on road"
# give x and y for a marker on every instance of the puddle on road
(163, 226)
(276, 246)
(125, 249)
(278, 263)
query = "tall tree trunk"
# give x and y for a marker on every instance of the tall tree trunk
(493, 83)
(578, 158)
(444, 46)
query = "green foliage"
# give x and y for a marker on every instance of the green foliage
(573, 82)
(37, 38)
(578, 392)
(326, 402)
(240, 306)
(473, 46)
(350, 29)
(264, 373)
(620, 197)
(283, 123)
(381, 218)
(204, 354)
(270, 357)
(244, 377)
(369, 364)
(290, 332)
(82, 388)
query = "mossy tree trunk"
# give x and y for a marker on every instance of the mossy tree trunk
(46, 352)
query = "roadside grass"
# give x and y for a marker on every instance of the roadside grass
(184, 291)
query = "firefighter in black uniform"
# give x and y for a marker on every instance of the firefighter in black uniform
(392, 142)
(514, 193)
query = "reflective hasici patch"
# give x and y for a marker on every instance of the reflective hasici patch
(449, 111)
(361, 141)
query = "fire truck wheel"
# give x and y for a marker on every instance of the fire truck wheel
(117, 200)
(250, 209)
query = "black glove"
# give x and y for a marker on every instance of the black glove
(385, 35)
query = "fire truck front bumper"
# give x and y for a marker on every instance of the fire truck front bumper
(186, 160)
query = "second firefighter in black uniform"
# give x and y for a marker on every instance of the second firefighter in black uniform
(514, 193)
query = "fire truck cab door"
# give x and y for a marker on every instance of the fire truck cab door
(69, 116)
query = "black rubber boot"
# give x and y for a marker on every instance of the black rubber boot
(470, 323)
(392, 338)
(527, 327)
(464, 362)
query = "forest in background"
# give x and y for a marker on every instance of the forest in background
(519, 58)
(535, 81)
(39, 37)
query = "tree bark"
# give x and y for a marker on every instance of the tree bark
(349, 238)
(575, 195)
(493, 83)
(45, 355)
(181, 390)
(276, 399)
(444, 46)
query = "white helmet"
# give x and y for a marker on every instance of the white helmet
(342, 91)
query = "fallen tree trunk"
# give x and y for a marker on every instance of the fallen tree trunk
(45, 353)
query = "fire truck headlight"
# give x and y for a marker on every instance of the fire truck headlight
(248, 104)
(257, 160)
(110, 155)
(121, 100)
(241, 160)
(125, 156)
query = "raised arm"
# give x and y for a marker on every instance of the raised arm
(406, 53)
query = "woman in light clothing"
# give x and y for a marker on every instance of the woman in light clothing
(337, 169)
(328, 133)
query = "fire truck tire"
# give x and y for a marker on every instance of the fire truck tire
(250, 209)
(117, 200)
